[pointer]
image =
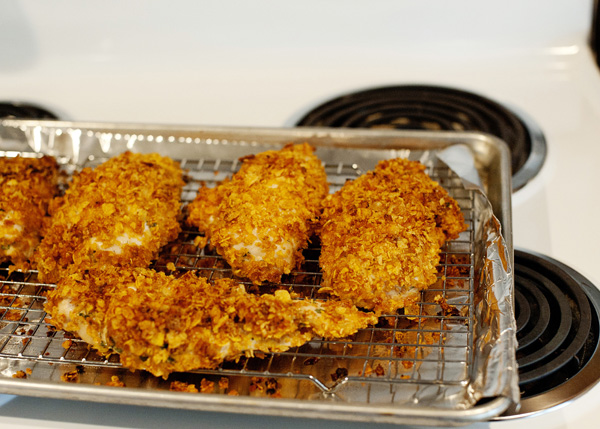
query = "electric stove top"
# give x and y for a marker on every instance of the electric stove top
(270, 64)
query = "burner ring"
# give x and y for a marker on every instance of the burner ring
(572, 368)
(561, 331)
(9, 110)
(437, 108)
(530, 301)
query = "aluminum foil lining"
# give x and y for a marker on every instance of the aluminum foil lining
(495, 361)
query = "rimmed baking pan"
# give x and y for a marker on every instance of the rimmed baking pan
(432, 367)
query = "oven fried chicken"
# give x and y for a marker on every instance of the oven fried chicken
(161, 323)
(120, 213)
(112, 222)
(27, 185)
(261, 219)
(381, 236)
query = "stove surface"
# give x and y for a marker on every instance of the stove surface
(268, 63)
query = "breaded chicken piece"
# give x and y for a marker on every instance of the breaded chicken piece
(261, 219)
(27, 185)
(381, 236)
(161, 323)
(120, 213)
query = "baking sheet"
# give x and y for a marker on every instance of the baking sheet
(434, 366)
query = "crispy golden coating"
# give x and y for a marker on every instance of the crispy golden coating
(27, 185)
(381, 236)
(105, 230)
(261, 219)
(162, 323)
(120, 213)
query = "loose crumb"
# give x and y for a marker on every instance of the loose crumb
(13, 315)
(224, 383)
(256, 384)
(339, 373)
(273, 387)
(115, 381)
(311, 360)
(207, 386)
(447, 309)
(67, 343)
(269, 386)
(180, 386)
(19, 374)
(200, 241)
(70, 377)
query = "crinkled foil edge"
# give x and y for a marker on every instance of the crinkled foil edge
(494, 366)
(494, 369)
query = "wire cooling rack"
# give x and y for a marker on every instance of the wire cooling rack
(429, 347)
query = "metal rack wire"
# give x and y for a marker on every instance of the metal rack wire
(427, 347)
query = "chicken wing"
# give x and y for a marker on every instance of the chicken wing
(27, 185)
(381, 236)
(161, 323)
(120, 213)
(261, 219)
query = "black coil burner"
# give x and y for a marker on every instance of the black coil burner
(423, 107)
(24, 111)
(558, 328)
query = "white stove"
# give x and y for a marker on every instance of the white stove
(267, 63)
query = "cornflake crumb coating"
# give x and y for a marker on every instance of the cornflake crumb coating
(262, 218)
(120, 213)
(27, 185)
(381, 236)
(162, 323)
